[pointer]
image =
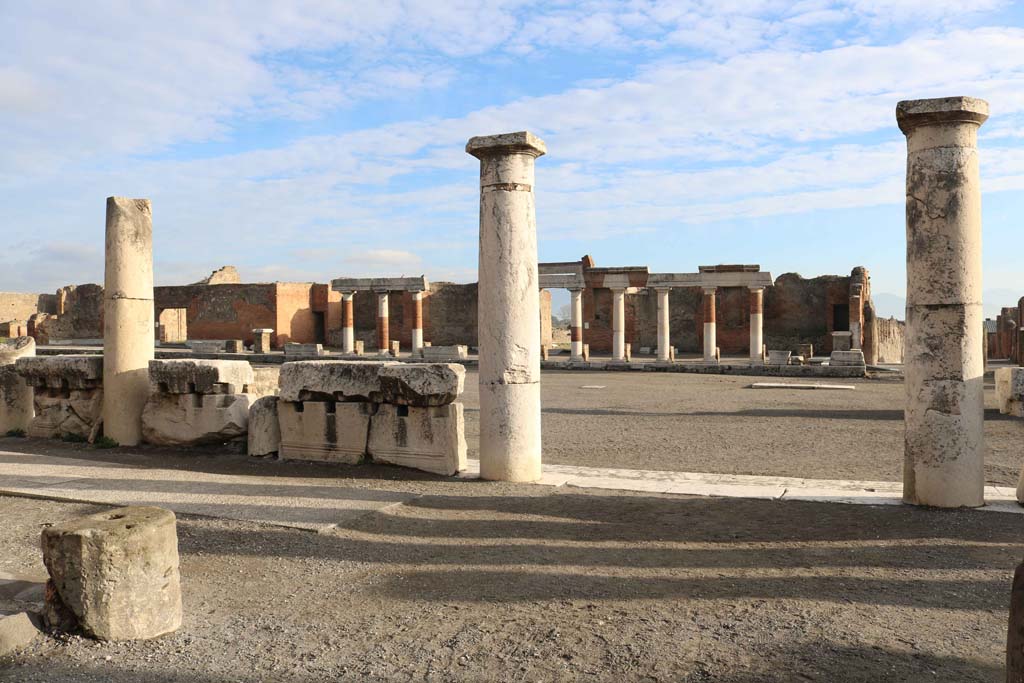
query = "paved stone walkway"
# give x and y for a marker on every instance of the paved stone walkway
(317, 504)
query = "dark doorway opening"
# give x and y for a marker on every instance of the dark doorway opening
(320, 328)
(841, 318)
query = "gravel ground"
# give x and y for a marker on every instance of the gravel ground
(715, 423)
(495, 582)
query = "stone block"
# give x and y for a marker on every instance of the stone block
(206, 346)
(359, 347)
(195, 376)
(324, 380)
(293, 350)
(261, 339)
(65, 412)
(194, 419)
(265, 381)
(264, 428)
(17, 630)
(627, 352)
(430, 439)
(851, 358)
(842, 341)
(234, 346)
(778, 357)
(62, 372)
(544, 353)
(114, 574)
(324, 430)
(1010, 391)
(15, 392)
(396, 348)
(586, 352)
(455, 352)
(19, 347)
(421, 384)
(805, 350)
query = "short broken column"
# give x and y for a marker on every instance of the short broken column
(944, 442)
(348, 324)
(383, 339)
(261, 337)
(576, 324)
(127, 317)
(417, 322)
(663, 324)
(15, 393)
(508, 307)
(114, 574)
(618, 324)
(710, 329)
(756, 325)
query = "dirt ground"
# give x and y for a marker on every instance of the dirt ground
(715, 423)
(482, 581)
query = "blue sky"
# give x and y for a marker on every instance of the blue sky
(309, 140)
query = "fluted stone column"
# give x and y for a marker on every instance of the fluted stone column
(756, 325)
(348, 323)
(383, 339)
(710, 337)
(417, 322)
(576, 324)
(663, 324)
(944, 444)
(508, 307)
(618, 324)
(127, 317)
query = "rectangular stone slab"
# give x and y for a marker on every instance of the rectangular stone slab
(62, 372)
(430, 439)
(324, 431)
(200, 376)
(194, 419)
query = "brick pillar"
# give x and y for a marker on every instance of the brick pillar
(710, 328)
(417, 322)
(756, 325)
(348, 323)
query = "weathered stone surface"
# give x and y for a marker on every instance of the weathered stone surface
(1015, 630)
(261, 339)
(430, 439)
(421, 384)
(332, 380)
(194, 419)
(17, 630)
(62, 372)
(457, 351)
(293, 350)
(853, 357)
(206, 346)
(842, 341)
(115, 573)
(225, 275)
(15, 392)
(1010, 391)
(200, 376)
(778, 357)
(265, 381)
(324, 430)
(234, 346)
(60, 413)
(264, 427)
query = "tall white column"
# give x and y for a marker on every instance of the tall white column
(944, 441)
(856, 322)
(618, 324)
(756, 325)
(663, 324)
(710, 329)
(127, 317)
(508, 307)
(576, 324)
(417, 322)
(383, 339)
(348, 323)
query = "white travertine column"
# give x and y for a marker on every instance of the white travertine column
(508, 307)
(618, 324)
(944, 440)
(663, 324)
(756, 325)
(856, 321)
(127, 317)
(383, 340)
(710, 329)
(348, 323)
(417, 322)
(575, 324)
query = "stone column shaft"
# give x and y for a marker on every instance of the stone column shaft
(383, 338)
(127, 317)
(856, 322)
(576, 324)
(417, 322)
(710, 328)
(944, 441)
(348, 323)
(618, 324)
(756, 324)
(663, 325)
(508, 308)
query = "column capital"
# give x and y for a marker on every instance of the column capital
(911, 114)
(662, 289)
(522, 142)
(709, 290)
(756, 288)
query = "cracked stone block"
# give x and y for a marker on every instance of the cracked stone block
(62, 372)
(200, 376)
(294, 350)
(264, 427)
(194, 419)
(421, 384)
(432, 439)
(114, 574)
(65, 412)
(324, 430)
(15, 392)
(852, 358)
(321, 380)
